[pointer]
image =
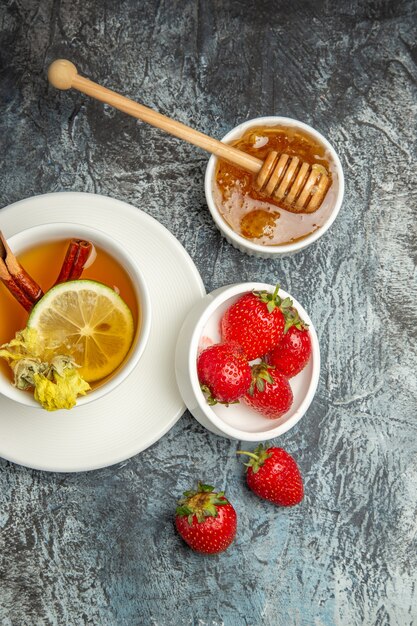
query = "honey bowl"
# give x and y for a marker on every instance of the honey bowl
(254, 223)
(237, 421)
(41, 250)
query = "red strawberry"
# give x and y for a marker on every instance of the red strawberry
(224, 372)
(256, 321)
(206, 520)
(270, 392)
(293, 352)
(274, 475)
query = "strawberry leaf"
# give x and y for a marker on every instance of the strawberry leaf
(205, 488)
(286, 306)
(183, 511)
(260, 375)
(201, 503)
(211, 401)
(257, 457)
(292, 318)
(272, 300)
(270, 306)
(210, 510)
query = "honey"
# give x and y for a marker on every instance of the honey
(43, 263)
(255, 215)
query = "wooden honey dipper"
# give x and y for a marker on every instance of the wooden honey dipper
(295, 183)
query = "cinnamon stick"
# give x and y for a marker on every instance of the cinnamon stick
(76, 257)
(20, 284)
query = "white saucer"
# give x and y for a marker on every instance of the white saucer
(147, 404)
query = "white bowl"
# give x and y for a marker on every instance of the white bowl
(331, 203)
(52, 232)
(237, 421)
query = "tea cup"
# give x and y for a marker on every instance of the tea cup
(27, 239)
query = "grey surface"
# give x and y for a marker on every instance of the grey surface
(99, 547)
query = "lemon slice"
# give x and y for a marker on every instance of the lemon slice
(88, 321)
